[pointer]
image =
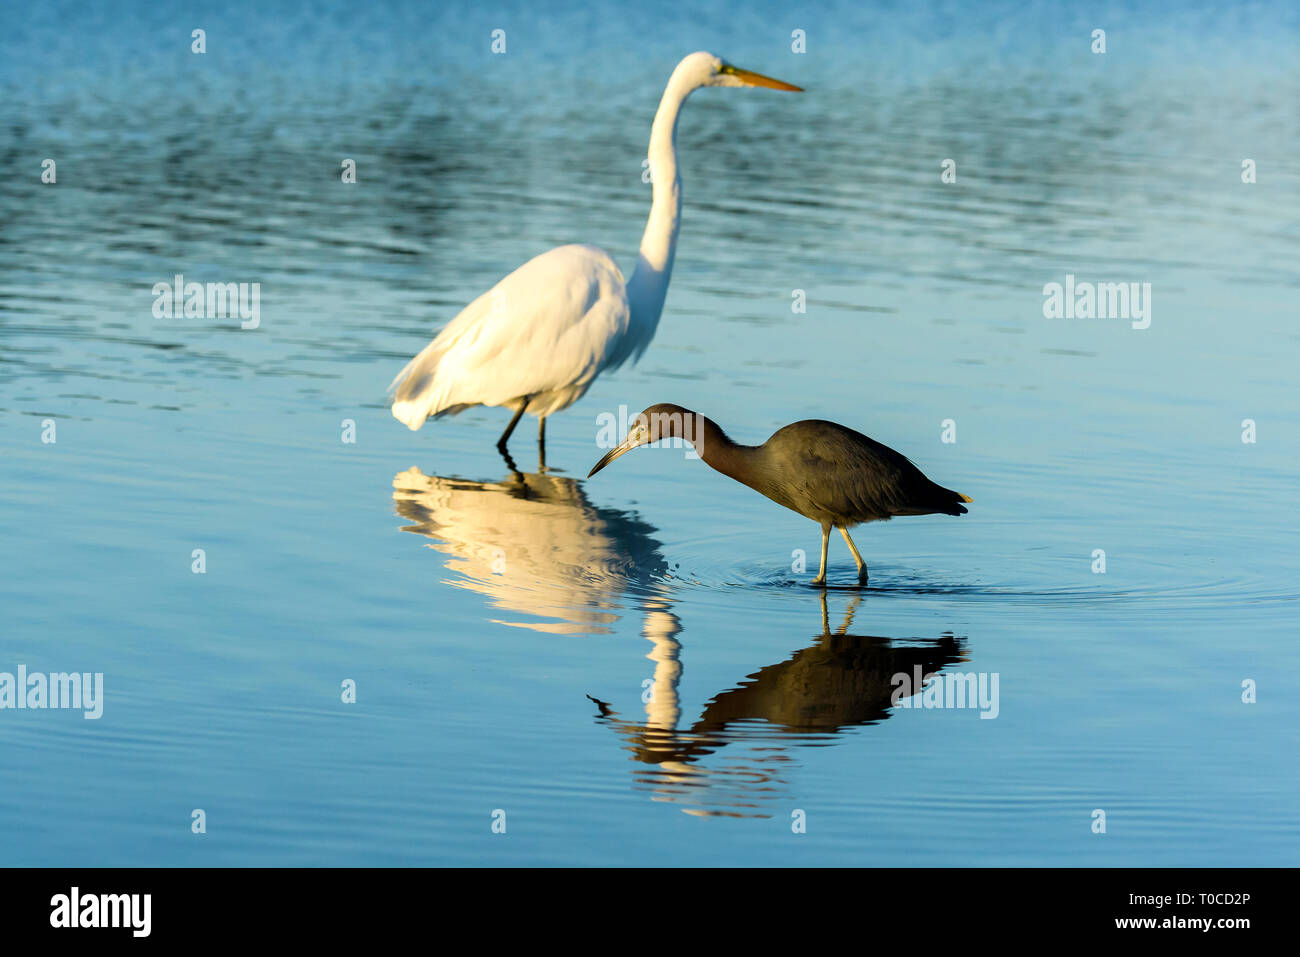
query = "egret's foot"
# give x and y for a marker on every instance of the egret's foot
(862, 575)
(819, 581)
(542, 467)
(510, 464)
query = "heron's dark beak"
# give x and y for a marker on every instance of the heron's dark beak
(610, 456)
(750, 78)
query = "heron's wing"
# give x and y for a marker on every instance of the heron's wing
(874, 483)
(552, 324)
(843, 472)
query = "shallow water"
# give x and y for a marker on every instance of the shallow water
(501, 625)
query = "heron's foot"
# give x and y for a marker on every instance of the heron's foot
(819, 581)
(862, 575)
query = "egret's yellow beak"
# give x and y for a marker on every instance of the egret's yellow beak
(610, 456)
(750, 78)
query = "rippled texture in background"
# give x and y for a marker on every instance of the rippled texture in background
(500, 626)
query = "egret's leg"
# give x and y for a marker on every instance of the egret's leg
(501, 442)
(541, 443)
(826, 540)
(510, 464)
(862, 566)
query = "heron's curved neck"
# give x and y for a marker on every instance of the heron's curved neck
(649, 283)
(719, 452)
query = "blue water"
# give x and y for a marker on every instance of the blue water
(500, 627)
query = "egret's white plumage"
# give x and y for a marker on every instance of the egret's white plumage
(537, 339)
(544, 331)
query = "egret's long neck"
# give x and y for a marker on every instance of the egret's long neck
(649, 283)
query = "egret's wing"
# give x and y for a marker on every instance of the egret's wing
(551, 324)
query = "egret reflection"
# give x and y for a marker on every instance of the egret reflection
(534, 545)
(839, 682)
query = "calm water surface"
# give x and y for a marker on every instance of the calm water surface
(502, 626)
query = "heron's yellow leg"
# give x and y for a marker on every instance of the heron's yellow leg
(862, 566)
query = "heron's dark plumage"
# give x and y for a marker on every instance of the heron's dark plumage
(835, 475)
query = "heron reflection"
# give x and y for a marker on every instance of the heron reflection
(534, 545)
(839, 682)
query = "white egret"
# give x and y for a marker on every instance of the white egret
(537, 339)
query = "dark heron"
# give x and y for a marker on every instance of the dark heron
(835, 476)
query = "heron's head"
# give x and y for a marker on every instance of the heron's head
(661, 421)
(705, 69)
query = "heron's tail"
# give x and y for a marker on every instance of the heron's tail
(948, 502)
(958, 509)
